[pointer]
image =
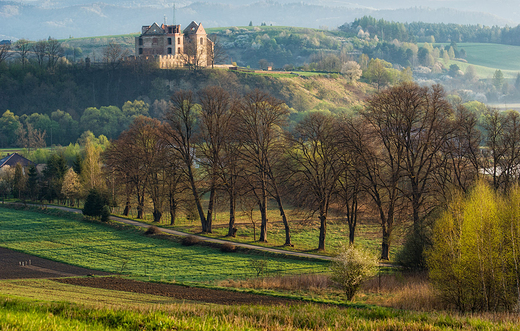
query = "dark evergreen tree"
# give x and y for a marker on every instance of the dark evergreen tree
(53, 177)
(33, 183)
(96, 204)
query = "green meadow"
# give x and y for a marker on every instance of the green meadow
(487, 58)
(128, 251)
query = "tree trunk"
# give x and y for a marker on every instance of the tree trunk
(284, 219)
(126, 211)
(197, 200)
(211, 204)
(173, 209)
(262, 204)
(157, 214)
(323, 231)
(352, 220)
(385, 245)
(140, 212)
(232, 208)
(263, 226)
(140, 204)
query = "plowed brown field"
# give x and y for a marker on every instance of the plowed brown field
(15, 265)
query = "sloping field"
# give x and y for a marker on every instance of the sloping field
(504, 57)
(95, 246)
(487, 58)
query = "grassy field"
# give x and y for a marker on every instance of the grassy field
(304, 230)
(44, 304)
(48, 305)
(487, 58)
(127, 251)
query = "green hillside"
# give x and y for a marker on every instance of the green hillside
(487, 58)
(279, 45)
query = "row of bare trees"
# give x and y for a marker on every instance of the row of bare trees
(44, 51)
(401, 157)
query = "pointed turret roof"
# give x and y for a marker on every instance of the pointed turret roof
(193, 28)
(154, 29)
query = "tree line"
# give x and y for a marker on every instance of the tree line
(41, 130)
(434, 32)
(400, 157)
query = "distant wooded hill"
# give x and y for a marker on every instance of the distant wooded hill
(77, 19)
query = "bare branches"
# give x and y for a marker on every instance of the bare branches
(22, 47)
(316, 154)
(114, 54)
(5, 52)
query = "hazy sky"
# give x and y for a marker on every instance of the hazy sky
(36, 19)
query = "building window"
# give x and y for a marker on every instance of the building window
(169, 41)
(201, 41)
(169, 50)
(179, 40)
(140, 51)
(179, 50)
(140, 41)
(155, 41)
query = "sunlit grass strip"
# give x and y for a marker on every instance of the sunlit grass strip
(97, 246)
(48, 290)
(29, 314)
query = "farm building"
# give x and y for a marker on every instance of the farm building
(12, 159)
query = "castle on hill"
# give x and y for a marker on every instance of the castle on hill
(173, 48)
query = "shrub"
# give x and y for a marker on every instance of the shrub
(190, 240)
(418, 240)
(351, 267)
(260, 267)
(95, 204)
(152, 230)
(228, 248)
(105, 213)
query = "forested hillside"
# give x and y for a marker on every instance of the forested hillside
(69, 100)
(435, 32)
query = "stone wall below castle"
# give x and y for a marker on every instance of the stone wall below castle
(170, 61)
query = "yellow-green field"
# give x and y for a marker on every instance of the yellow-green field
(487, 58)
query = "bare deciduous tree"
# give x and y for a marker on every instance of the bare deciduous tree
(114, 54)
(5, 52)
(379, 163)
(180, 136)
(54, 52)
(316, 154)
(39, 49)
(22, 47)
(259, 119)
(217, 53)
(216, 128)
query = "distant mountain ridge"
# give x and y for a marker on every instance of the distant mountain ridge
(62, 19)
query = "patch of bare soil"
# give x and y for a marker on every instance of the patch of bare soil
(15, 265)
(178, 292)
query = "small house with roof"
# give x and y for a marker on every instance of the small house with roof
(13, 159)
